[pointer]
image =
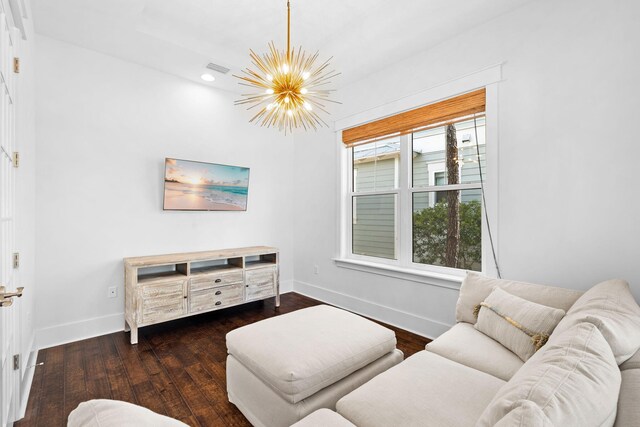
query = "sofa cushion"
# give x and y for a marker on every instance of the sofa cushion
(632, 363)
(476, 288)
(323, 418)
(468, 346)
(525, 414)
(611, 307)
(302, 352)
(628, 407)
(425, 389)
(516, 323)
(574, 380)
(115, 413)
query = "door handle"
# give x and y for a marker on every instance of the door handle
(6, 298)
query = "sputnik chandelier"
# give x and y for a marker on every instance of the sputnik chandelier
(289, 88)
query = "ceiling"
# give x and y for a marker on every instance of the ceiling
(181, 37)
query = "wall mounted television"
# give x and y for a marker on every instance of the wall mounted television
(199, 186)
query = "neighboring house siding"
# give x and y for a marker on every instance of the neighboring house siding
(374, 226)
(374, 216)
(375, 175)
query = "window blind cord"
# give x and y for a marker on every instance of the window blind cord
(484, 200)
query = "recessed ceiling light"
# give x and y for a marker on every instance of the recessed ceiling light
(207, 77)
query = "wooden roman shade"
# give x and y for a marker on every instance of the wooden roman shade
(409, 121)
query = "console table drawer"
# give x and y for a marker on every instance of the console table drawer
(216, 279)
(219, 297)
(164, 290)
(153, 314)
(261, 275)
(261, 283)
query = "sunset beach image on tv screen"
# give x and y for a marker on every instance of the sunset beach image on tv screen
(198, 186)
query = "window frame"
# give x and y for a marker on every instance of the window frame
(403, 267)
(351, 193)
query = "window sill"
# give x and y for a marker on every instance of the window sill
(449, 281)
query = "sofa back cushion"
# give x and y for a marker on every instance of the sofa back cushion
(521, 326)
(628, 407)
(476, 288)
(633, 363)
(611, 307)
(574, 380)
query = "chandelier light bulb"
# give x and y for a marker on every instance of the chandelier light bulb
(308, 106)
(305, 75)
(289, 113)
(269, 107)
(285, 68)
(286, 100)
(269, 77)
(269, 91)
(304, 91)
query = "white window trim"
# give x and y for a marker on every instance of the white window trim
(403, 267)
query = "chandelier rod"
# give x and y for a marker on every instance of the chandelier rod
(288, 32)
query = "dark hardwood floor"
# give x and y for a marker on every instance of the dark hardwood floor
(177, 369)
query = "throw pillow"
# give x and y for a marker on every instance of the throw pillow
(521, 326)
(611, 307)
(574, 380)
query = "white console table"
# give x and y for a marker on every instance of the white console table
(160, 288)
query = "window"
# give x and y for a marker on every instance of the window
(447, 204)
(375, 171)
(415, 198)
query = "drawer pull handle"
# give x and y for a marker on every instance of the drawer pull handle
(218, 280)
(218, 292)
(218, 302)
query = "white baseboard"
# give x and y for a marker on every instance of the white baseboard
(408, 321)
(89, 328)
(286, 286)
(80, 330)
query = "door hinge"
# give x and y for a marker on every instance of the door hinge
(16, 159)
(16, 362)
(16, 259)
(16, 65)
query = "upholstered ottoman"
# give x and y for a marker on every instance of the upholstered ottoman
(324, 418)
(281, 369)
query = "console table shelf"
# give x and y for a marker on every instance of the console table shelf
(160, 288)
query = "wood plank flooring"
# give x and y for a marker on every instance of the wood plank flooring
(177, 369)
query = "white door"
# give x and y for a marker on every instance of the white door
(9, 308)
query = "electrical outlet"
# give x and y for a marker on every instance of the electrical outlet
(316, 269)
(112, 292)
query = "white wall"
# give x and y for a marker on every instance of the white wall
(104, 127)
(568, 204)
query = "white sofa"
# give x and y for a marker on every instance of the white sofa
(588, 373)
